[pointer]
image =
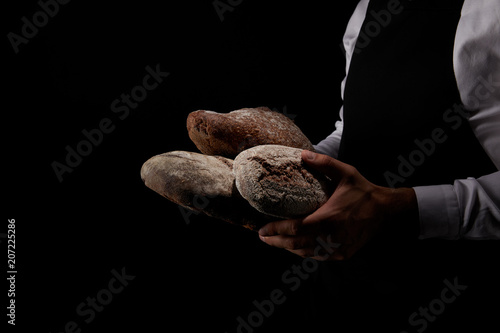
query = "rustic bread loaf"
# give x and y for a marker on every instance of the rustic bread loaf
(228, 134)
(275, 181)
(201, 183)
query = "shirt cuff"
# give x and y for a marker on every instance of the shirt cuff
(439, 212)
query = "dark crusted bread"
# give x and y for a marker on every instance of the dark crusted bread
(201, 183)
(228, 134)
(276, 182)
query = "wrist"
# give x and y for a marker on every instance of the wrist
(402, 212)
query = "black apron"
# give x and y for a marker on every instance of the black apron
(400, 94)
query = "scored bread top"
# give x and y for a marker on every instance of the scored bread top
(228, 134)
(275, 181)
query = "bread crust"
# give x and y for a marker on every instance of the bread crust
(201, 183)
(228, 134)
(275, 181)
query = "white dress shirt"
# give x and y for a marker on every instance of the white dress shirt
(470, 208)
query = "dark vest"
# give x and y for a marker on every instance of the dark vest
(403, 121)
(403, 126)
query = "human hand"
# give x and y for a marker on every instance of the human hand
(356, 212)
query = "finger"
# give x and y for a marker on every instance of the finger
(283, 227)
(323, 219)
(337, 256)
(320, 217)
(319, 254)
(291, 243)
(327, 165)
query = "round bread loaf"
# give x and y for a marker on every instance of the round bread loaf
(275, 181)
(228, 134)
(201, 183)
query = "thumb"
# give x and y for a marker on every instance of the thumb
(327, 165)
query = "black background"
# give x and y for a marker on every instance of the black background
(190, 277)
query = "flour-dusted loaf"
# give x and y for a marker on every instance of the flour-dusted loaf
(201, 183)
(228, 134)
(275, 181)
